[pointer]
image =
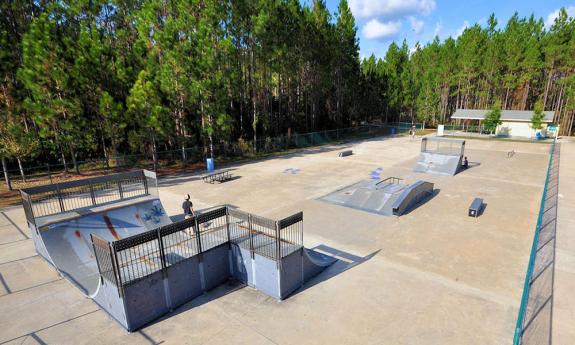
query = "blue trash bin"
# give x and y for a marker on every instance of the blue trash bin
(210, 164)
(392, 130)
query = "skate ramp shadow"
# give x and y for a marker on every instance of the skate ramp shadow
(344, 262)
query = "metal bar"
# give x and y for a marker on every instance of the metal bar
(251, 239)
(116, 267)
(97, 258)
(145, 179)
(92, 195)
(278, 245)
(161, 248)
(120, 189)
(197, 232)
(60, 201)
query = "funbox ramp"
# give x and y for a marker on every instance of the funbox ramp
(439, 164)
(67, 245)
(387, 199)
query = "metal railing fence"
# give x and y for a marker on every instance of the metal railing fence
(190, 157)
(128, 260)
(62, 197)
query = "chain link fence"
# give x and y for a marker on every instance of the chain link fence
(191, 158)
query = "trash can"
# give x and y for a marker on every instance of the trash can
(210, 164)
(392, 130)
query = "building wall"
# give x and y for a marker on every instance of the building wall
(518, 129)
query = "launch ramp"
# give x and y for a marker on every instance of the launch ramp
(440, 156)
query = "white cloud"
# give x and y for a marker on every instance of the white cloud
(438, 28)
(416, 25)
(551, 17)
(461, 29)
(374, 29)
(390, 9)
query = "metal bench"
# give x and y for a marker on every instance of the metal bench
(345, 153)
(217, 176)
(475, 207)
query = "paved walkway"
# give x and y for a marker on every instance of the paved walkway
(564, 298)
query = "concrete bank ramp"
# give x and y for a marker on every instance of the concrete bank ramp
(380, 197)
(438, 164)
(69, 246)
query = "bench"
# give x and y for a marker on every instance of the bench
(217, 176)
(345, 153)
(475, 207)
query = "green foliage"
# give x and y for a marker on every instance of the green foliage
(79, 78)
(538, 116)
(493, 117)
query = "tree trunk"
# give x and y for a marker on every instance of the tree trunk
(21, 169)
(547, 85)
(154, 153)
(184, 158)
(64, 161)
(6, 176)
(104, 148)
(255, 116)
(74, 162)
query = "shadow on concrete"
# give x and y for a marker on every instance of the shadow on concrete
(471, 165)
(344, 261)
(421, 202)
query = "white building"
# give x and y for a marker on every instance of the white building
(515, 123)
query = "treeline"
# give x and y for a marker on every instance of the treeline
(93, 78)
(517, 65)
(96, 77)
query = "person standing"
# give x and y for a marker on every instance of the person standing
(188, 207)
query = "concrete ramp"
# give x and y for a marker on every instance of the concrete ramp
(314, 263)
(69, 246)
(438, 164)
(411, 196)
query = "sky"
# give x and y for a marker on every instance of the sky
(380, 22)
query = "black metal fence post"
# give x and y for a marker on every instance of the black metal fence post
(250, 230)
(120, 189)
(117, 274)
(197, 231)
(278, 246)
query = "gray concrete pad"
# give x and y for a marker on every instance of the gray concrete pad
(432, 276)
(563, 298)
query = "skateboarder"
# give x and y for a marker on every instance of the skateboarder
(465, 163)
(188, 207)
(412, 132)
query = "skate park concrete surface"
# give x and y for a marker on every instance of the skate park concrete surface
(431, 276)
